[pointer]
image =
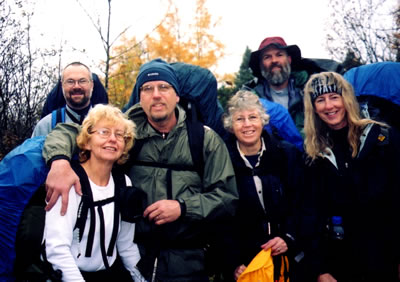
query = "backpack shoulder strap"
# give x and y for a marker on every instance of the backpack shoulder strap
(195, 131)
(119, 184)
(133, 153)
(87, 204)
(57, 116)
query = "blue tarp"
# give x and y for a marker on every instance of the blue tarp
(22, 171)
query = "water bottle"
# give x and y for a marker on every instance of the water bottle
(337, 232)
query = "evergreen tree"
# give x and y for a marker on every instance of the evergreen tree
(245, 74)
(351, 61)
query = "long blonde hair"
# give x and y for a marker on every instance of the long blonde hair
(316, 137)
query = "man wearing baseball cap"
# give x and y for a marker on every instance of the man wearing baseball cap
(272, 66)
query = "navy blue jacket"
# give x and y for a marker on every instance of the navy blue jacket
(280, 171)
(367, 197)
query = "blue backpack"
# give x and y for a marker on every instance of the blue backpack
(198, 93)
(377, 89)
(22, 171)
(57, 116)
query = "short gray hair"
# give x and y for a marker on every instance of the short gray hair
(244, 100)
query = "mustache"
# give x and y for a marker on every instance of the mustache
(275, 65)
(77, 91)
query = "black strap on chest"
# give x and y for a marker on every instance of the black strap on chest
(195, 131)
(88, 205)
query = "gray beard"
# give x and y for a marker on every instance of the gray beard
(277, 78)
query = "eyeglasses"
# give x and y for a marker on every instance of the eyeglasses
(149, 89)
(252, 119)
(82, 82)
(106, 133)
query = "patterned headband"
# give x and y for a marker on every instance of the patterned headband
(321, 85)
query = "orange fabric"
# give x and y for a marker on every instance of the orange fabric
(260, 269)
(285, 263)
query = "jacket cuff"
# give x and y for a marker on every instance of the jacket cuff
(290, 242)
(55, 158)
(182, 204)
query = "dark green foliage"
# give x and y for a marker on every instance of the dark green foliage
(245, 74)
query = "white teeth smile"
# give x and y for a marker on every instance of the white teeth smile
(248, 132)
(110, 148)
(331, 113)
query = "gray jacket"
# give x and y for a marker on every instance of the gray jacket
(44, 126)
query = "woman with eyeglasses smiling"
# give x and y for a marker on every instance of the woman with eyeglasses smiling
(268, 172)
(89, 252)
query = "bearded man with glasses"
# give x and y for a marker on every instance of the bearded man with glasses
(77, 87)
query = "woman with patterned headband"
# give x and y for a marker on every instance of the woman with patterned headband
(352, 173)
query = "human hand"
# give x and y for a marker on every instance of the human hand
(238, 271)
(278, 246)
(59, 181)
(163, 211)
(326, 277)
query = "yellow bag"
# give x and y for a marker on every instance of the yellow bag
(261, 269)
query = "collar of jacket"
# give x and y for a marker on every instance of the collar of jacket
(77, 118)
(271, 147)
(328, 154)
(243, 156)
(143, 128)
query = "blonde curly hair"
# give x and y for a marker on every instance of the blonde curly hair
(110, 114)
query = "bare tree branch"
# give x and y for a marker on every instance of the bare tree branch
(363, 28)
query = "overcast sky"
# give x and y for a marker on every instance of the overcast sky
(242, 23)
